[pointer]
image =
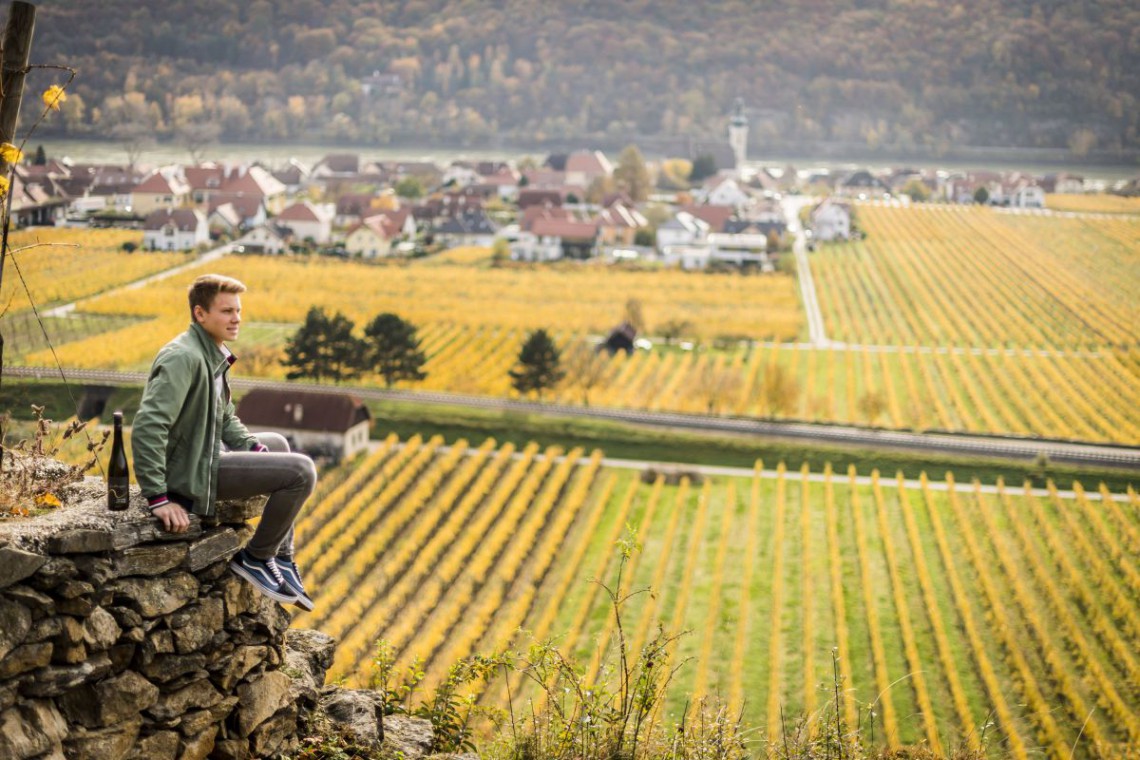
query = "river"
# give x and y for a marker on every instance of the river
(92, 151)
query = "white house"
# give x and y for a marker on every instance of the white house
(264, 238)
(225, 218)
(549, 239)
(322, 424)
(371, 238)
(1027, 195)
(682, 229)
(459, 175)
(308, 221)
(721, 248)
(468, 228)
(1064, 183)
(164, 189)
(585, 166)
(688, 256)
(831, 221)
(725, 191)
(178, 230)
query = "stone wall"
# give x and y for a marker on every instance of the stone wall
(120, 640)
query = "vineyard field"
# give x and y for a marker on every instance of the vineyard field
(944, 318)
(62, 265)
(1022, 393)
(949, 605)
(977, 277)
(1102, 203)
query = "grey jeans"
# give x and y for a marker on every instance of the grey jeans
(287, 477)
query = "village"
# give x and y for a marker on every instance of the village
(569, 206)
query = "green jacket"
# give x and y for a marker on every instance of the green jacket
(181, 424)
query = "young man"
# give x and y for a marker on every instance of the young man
(186, 416)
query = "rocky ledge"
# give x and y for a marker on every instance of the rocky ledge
(120, 640)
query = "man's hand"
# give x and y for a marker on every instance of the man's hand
(174, 517)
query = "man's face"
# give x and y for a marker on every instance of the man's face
(223, 318)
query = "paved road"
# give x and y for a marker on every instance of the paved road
(813, 477)
(816, 332)
(947, 443)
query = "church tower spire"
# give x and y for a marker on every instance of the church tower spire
(738, 134)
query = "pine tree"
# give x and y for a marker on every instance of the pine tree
(393, 350)
(538, 365)
(323, 348)
(704, 166)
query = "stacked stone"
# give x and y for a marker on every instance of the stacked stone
(120, 640)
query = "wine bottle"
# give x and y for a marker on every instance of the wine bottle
(118, 473)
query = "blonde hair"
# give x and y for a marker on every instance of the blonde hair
(205, 289)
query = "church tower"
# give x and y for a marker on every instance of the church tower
(738, 134)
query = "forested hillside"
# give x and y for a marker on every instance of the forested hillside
(897, 75)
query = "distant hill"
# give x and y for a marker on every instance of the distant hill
(904, 76)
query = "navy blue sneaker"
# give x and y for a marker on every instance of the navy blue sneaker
(292, 578)
(265, 576)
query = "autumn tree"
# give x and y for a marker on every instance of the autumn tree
(538, 366)
(631, 175)
(500, 251)
(715, 386)
(136, 139)
(599, 188)
(196, 137)
(917, 190)
(586, 368)
(674, 174)
(778, 391)
(872, 405)
(634, 314)
(672, 329)
(392, 349)
(409, 187)
(323, 348)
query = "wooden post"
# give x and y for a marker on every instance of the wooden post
(17, 51)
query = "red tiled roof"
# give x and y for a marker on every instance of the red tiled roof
(302, 410)
(157, 184)
(205, 177)
(354, 204)
(541, 178)
(588, 162)
(246, 205)
(618, 215)
(394, 219)
(255, 181)
(185, 219)
(341, 163)
(531, 214)
(714, 216)
(380, 225)
(539, 197)
(300, 212)
(565, 228)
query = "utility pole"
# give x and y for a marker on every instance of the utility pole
(16, 54)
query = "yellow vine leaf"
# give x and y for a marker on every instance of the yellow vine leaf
(54, 96)
(10, 153)
(48, 500)
(3, 186)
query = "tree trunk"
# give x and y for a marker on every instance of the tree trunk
(17, 50)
